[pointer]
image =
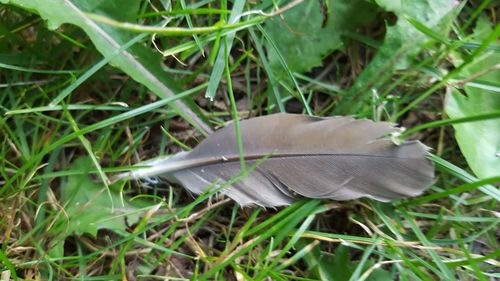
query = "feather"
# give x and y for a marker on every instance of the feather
(338, 158)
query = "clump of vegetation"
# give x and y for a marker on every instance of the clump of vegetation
(90, 88)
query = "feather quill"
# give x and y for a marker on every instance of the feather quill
(338, 158)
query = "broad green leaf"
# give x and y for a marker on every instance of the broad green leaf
(124, 10)
(337, 267)
(404, 36)
(88, 206)
(478, 141)
(401, 43)
(139, 62)
(309, 31)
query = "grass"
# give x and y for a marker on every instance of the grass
(62, 100)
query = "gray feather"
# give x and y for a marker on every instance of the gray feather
(337, 158)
